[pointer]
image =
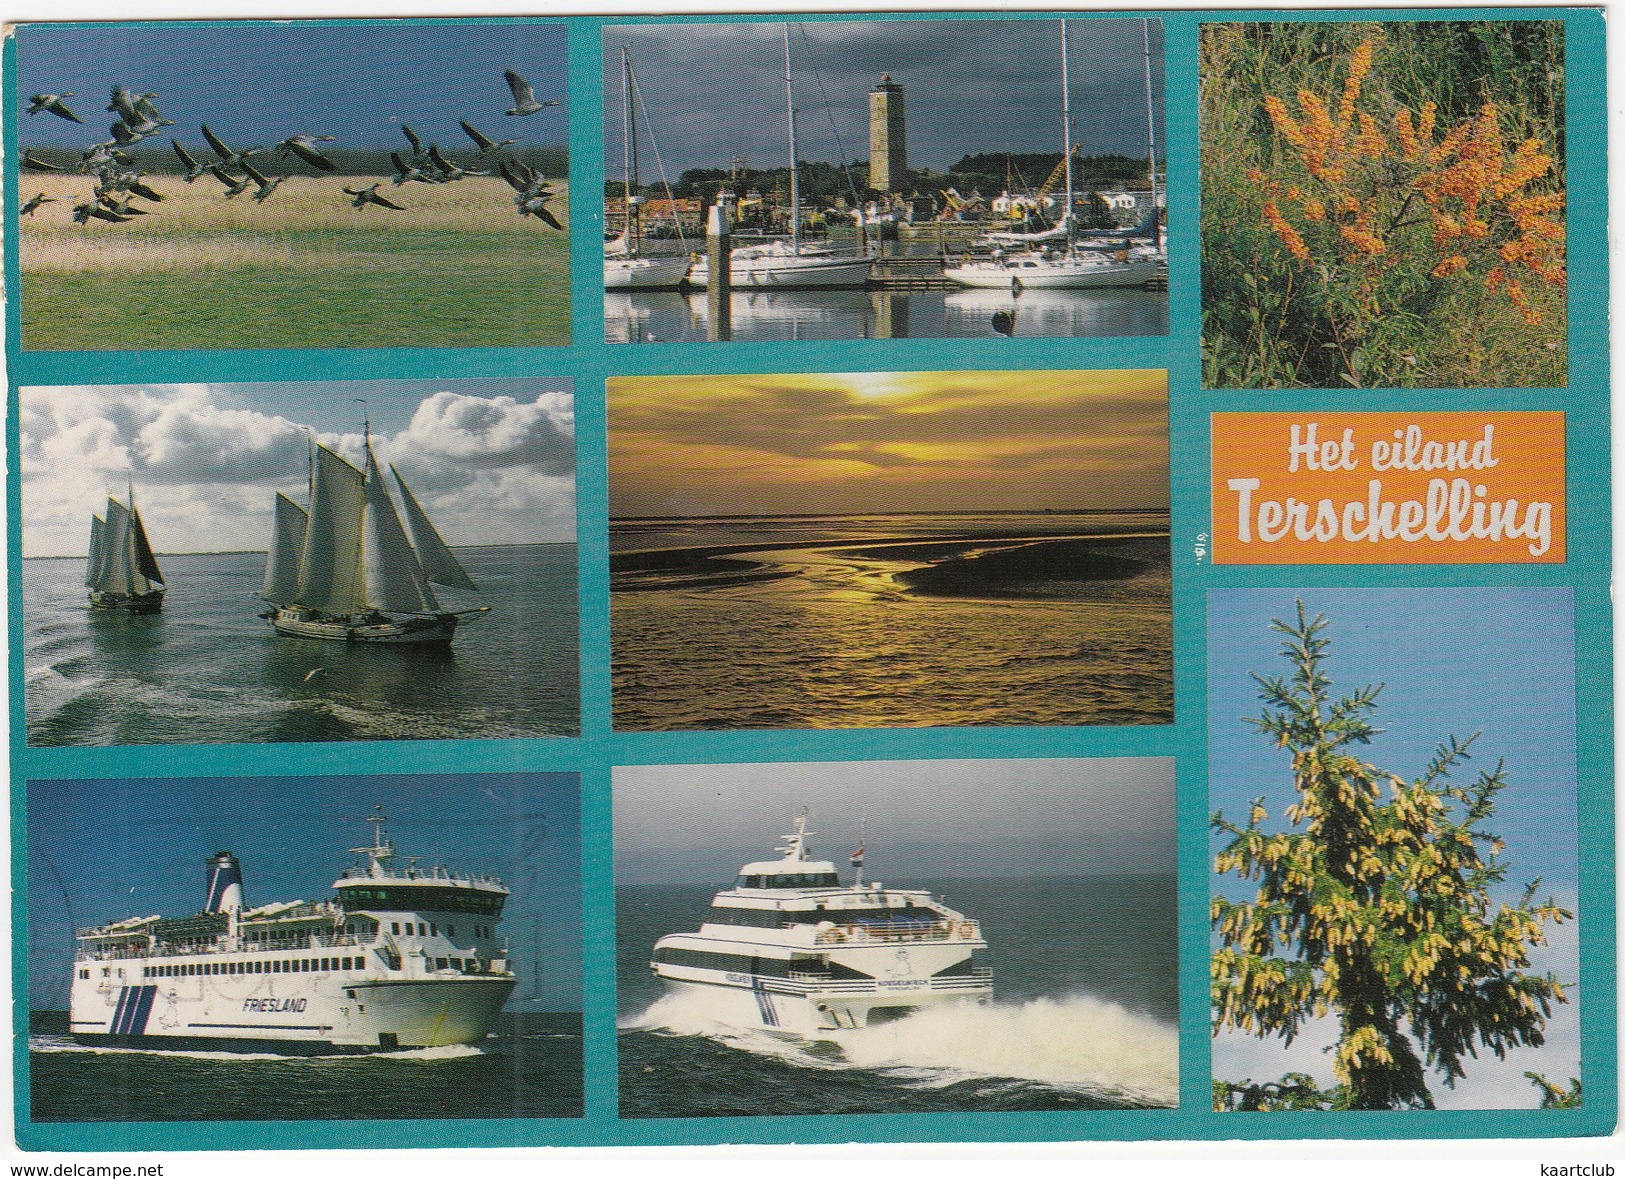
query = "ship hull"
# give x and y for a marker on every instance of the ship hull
(782, 270)
(151, 602)
(436, 629)
(814, 1013)
(1058, 275)
(321, 1014)
(658, 272)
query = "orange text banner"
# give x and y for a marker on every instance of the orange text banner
(1395, 488)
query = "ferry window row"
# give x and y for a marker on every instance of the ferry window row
(790, 880)
(431, 929)
(421, 899)
(273, 966)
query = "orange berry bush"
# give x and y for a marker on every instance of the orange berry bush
(1389, 228)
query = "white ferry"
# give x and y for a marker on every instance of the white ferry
(791, 949)
(396, 959)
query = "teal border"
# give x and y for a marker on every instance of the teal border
(590, 363)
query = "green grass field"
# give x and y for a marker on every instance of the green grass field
(457, 267)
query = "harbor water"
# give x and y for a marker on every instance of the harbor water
(683, 316)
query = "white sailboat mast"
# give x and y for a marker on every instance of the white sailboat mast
(1066, 134)
(795, 173)
(629, 149)
(1151, 136)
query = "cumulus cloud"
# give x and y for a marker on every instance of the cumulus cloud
(204, 466)
(495, 431)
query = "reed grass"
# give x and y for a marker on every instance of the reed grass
(456, 267)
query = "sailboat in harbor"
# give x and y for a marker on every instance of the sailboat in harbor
(791, 263)
(121, 571)
(345, 569)
(626, 266)
(1065, 265)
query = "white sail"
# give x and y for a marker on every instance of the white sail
(330, 577)
(287, 545)
(437, 561)
(98, 551)
(117, 574)
(393, 578)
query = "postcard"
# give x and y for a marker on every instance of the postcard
(936, 576)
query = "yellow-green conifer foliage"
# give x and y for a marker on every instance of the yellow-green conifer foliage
(1373, 908)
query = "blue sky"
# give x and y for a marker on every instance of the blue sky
(256, 83)
(1455, 661)
(1495, 661)
(105, 849)
(714, 91)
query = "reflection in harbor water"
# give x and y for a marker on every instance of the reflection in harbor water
(682, 316)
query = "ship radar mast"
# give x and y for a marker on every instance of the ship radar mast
(382, 850)
(795, 843)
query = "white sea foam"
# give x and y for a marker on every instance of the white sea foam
(49, 1043)
(59, 1044)
(1076, 1042)
(427, 1055)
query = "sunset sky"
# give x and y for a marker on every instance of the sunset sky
(833, 443)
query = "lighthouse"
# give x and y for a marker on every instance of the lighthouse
(888, 146)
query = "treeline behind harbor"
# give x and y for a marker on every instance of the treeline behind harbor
(988, 174)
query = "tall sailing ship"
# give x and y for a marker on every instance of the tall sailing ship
(121, 571)
(347, 570)
(394, 960)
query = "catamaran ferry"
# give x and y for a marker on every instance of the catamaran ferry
(396, 959)
(791, 949)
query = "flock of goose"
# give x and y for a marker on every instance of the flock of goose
(118, 180)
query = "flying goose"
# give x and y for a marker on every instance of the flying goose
(524, 102)
(228, 157)
(266, 187)
(448, 170)
(405, 172)
(487, 145)
(530, 192)
(304, 146)
(234, 186)
(193, 168)
(34, 203)
(34, 164)
(54, 104)
(369, 196)
(83, 213)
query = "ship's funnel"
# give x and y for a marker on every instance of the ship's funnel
(225, 876)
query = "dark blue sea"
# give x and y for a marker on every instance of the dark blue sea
(1016, 618)
(208, 669)
(1085, 1015)
(529, 1068)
